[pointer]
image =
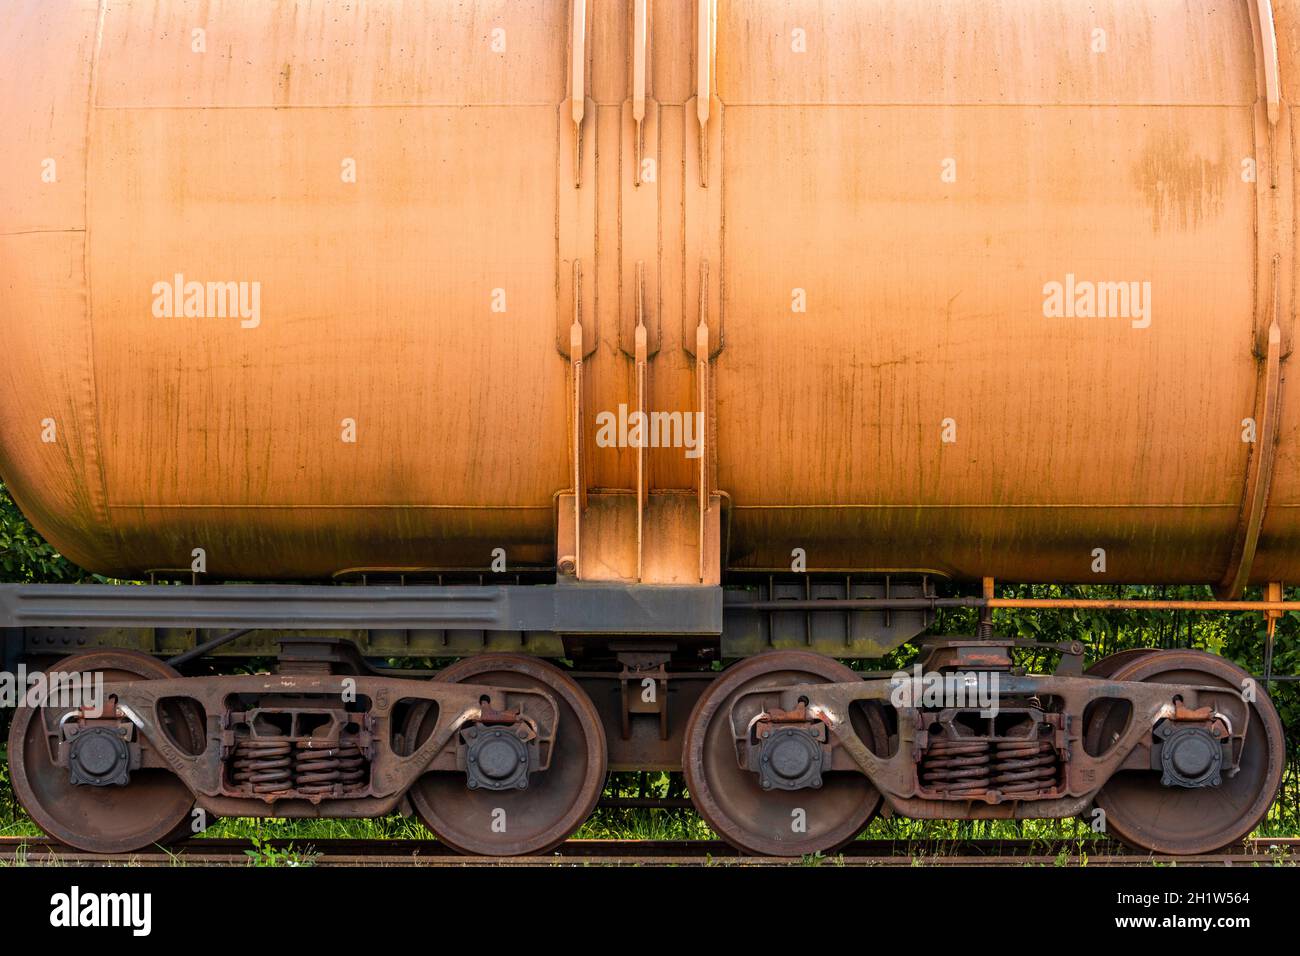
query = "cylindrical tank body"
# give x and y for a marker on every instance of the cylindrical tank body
(994, 281)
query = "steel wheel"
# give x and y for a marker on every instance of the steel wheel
(557, 800)
(731, 799)
(1108, 665)
(1145, 814)
(152, 808)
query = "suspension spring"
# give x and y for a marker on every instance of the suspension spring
(319, 768)
(1025, 766)
(973, 767)
(957, 768)
(262, 764)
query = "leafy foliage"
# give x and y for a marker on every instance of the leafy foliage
(25, 556)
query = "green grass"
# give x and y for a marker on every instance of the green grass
(393, 827)
(644, 825)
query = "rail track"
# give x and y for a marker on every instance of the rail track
(41, 851)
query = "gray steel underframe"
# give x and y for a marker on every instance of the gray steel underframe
(562, 609)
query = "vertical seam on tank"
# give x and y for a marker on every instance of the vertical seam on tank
(95, 430)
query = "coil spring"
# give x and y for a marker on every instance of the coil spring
(273, 765)
(1024, 766)
(318, 769)
(262, 765)
(957, 767)
(970, 768)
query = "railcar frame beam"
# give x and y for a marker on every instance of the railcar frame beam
(562, 609)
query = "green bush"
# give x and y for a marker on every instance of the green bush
(24, 554)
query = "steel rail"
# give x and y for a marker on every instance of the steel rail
(1282, 851)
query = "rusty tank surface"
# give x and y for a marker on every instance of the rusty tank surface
(580, 347)
(295, 293)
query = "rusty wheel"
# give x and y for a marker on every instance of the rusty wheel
(1108, 665)
(556, 802)
(154, 807)
(1144, 813)
(732, 800)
